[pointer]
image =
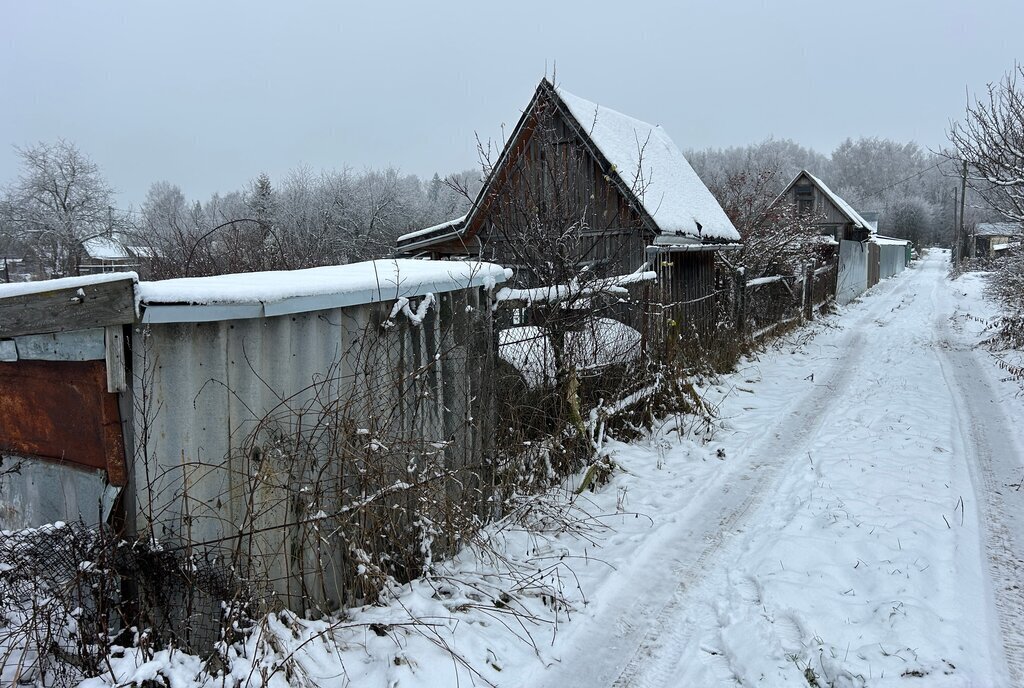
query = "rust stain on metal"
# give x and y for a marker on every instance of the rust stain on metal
(61, 410)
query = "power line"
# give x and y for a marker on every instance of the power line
(913, 176)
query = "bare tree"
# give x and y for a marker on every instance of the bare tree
(777, 237)
(59, 200)
(991, 141)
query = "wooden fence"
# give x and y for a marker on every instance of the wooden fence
(764, 305)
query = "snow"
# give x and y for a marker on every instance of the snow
(765, 280)
(105, 248)
(368, 282)
(43, 286)
(849, 518)
(997, 229)
(601, 342)
(888, 241)
(847, 209)
(647, 160)
(575, 290)
(450, 224)
(843, 530)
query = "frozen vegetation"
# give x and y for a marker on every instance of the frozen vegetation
(850, 515)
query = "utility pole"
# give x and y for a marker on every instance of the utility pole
(963, 198)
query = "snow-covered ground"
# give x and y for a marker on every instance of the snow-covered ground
(861, 528)
(855, 517)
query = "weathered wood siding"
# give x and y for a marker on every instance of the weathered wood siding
(549, 183)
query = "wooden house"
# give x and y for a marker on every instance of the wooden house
(838, 219)
(581, 186)
(114, 253)
(994, 238)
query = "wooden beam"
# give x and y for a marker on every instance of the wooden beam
(92, 305)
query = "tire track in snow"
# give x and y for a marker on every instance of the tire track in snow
(993, 462)
(635, 640)
(654, 663)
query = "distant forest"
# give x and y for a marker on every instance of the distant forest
(309, 217)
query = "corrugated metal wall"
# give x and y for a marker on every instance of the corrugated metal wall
(892, 259)
(853, 271)
(252, 413)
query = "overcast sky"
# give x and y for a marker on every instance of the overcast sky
(208, 94)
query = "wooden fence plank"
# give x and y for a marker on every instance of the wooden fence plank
(88, 306)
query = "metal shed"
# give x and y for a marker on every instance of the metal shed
(174, 400)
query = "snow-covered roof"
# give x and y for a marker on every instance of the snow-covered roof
(143, 251)
(997, 229)
(601, 342)
(889, 241)
(450, 224)
(105, 248)
(42, 286)
(644, 159)
(263, 294)
(845, 207)
(649, 162)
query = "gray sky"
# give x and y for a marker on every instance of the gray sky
(208, 94)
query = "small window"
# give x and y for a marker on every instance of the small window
(805, 198)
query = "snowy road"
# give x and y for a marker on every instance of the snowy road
(856, 519)
(865, 528)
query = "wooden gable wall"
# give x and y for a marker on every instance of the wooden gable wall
(833, 221)
(549, 176)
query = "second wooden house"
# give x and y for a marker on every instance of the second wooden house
(581, 188)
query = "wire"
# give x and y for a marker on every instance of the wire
(913, 176)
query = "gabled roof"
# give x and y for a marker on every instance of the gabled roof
(641, 160)
(997, 229)
(844, 207)
(449, 226)
(653, 168)
(105, 248)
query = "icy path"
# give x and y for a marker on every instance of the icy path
(865, 526)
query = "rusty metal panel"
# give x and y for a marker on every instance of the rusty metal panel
(60, 410)
(874, 260)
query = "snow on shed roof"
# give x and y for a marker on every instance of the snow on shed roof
(889, 241)
(42, 286)
(648, 161)
(997, 229)
(105, 248)
(450, 224)
(847, 209)
(264, 294)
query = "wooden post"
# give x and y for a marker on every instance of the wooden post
(809, 289)
(740, 292)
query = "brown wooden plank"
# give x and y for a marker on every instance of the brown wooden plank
(92, 305)
(60, 410)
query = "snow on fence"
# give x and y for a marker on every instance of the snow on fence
(303, 439)
(766, 304)
(316, 431)
(329, 443)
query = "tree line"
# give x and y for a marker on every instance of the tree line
(309, 218)
(61, 201)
